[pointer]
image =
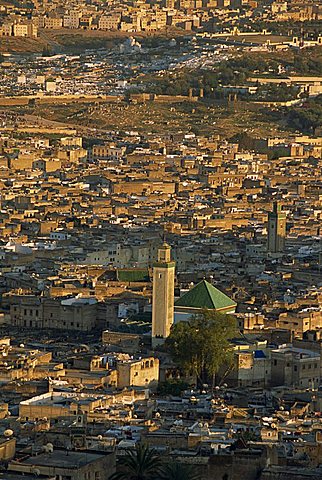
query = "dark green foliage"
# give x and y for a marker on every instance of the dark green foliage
(201, 346)
(307, 117)
(245, 141)
(172, 387)
(306, 65)
(141, 463)
(236, 71)
(47, 51)
(144, 464)
(276, 92)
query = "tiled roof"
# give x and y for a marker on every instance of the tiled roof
(205, 295)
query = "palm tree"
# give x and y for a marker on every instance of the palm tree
(139, 464)
(179, 471)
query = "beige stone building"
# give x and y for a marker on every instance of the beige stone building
(41, 312)
(138, 373)
(300, 322)
(109, 22)
(295, 367)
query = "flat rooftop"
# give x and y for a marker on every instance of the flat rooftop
(24, 476)
(64, 459)
(61, 399)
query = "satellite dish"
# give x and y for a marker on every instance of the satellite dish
(8, 433)
(49, 448)
(22, 345)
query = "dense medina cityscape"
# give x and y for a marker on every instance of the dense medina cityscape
(160, 240)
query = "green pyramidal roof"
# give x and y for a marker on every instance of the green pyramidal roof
(205, 295)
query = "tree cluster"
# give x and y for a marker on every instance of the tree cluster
(236, 71)
(143, 463)
(306, 117)
(172, 387)
(201, 346)
(277, 92)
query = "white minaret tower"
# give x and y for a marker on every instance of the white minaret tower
(163, 295)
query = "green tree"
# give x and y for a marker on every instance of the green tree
(308, 116)
(179, 471)
(141, 463)
(172, 387)
(47, 51)
(201, 346)
(245, 141)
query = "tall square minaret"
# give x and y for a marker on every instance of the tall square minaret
(276, 230)
(163, 295)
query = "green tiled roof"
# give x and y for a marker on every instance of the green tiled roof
(205, 295)
(133, 275)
